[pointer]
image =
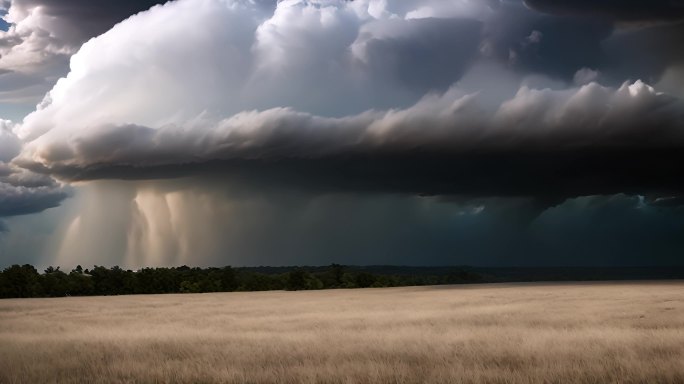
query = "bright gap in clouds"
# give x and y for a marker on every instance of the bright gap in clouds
(4, 25)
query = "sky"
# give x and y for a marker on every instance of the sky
(412, 132)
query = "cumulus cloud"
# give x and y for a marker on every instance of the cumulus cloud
(585, 76)
(41, 35)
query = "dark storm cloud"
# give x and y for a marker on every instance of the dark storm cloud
(567, 42)
(621, 40)
(627, 10)
(671, 201)
(562, 46)
(644, 53)
(428, 54)
(608, 231)
(23, 192)
(317, 60)
(548, 177)
(533, 42)
(369, 100)
(211, 221)
(366, 131)
(21, 200)
(88, 18)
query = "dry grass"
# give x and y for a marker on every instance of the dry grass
(551, 333)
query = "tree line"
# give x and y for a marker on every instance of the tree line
(18, 281)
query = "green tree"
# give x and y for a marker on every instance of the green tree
(80, 284)
(338, 273)
(228, 279)
(364, 280)
(296, 280)
(250, 281)
(21, 281)
(55, 283)
(189, 287)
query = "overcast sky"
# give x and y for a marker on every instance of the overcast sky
(423, 132)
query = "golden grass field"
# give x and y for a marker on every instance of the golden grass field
(508, 333)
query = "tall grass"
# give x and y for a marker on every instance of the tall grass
(527, 333)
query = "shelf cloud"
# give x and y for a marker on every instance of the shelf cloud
(583, 141)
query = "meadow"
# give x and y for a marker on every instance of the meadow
(630, 332)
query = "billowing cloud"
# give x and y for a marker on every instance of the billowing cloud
(17, 199)
(40, 36)
(348, 95)
(78, 20)
(23, 192)
(540, 142)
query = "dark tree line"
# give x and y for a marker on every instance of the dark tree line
(26, 281)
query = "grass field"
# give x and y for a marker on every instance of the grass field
(513, 333)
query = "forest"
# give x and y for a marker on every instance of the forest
(21, 281)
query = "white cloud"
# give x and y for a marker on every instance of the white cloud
(585, 76)
(43, 34)
(34, 52)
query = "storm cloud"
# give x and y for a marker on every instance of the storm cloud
(550, 144)
(540, 142)
(21, 191)
(437, 110)
(17, 199)
(627, 10)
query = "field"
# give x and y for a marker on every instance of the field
(499, 333)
